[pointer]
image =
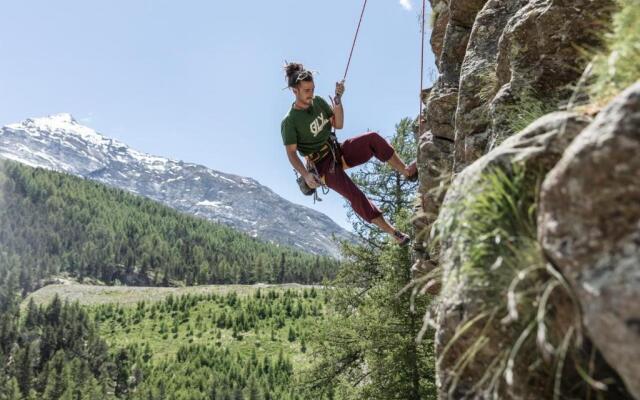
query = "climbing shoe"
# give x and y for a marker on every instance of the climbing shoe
(413, 171)
(402, 238)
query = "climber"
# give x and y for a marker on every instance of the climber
(307, 129)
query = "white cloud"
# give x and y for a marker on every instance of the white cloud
(406, 4)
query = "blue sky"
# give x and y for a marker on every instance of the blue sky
(201, 81)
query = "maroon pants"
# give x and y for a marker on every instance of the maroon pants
(356, 151)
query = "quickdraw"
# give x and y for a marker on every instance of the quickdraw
(336, 157)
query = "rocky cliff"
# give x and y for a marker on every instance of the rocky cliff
(529, 217)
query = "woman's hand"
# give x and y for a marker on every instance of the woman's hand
(339, 90)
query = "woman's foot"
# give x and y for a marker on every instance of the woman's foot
(411, 172)
(402, 238)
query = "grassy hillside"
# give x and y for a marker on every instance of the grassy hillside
(131, 295)
(204, 346)
(215, 345)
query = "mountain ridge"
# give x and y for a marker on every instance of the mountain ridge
(58, 142)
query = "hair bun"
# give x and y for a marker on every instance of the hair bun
(292, 68)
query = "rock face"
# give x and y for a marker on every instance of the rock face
(520, 54)
(502, 64)
(505, 69)
(465, 293)
(589, 225)
(452, 27)
(62, 144)
(479, 81)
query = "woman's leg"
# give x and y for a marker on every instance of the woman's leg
(406, 170)
(342, 184)
(358, 150)
(361, 205)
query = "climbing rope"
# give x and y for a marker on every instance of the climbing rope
(422, 32)
(324, 188)
(364, 5)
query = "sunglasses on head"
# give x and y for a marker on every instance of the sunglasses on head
(303, 75)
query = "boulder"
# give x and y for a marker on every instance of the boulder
(464, 294)
(589, 226)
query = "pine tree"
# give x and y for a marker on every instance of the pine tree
(33, 316)
(213, 392)
(24, 368)
(53, 310)
(303, 345)
(281, 270)
(13, 390)
(56, 383)
(254, 392)
(122, 374)
(237, 393)
(292, 334)
(369, 343)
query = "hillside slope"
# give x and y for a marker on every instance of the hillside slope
(52, 222)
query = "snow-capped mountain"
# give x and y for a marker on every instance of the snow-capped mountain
(60, 143)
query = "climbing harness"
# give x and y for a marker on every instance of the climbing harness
(330, 148)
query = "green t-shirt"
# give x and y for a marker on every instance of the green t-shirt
(309, 128)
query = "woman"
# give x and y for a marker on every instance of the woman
(307, 129)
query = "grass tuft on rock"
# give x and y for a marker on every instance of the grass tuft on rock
(529, 108)
(521, 331)
(618, 66)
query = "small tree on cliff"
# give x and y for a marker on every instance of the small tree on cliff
(368, 344)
